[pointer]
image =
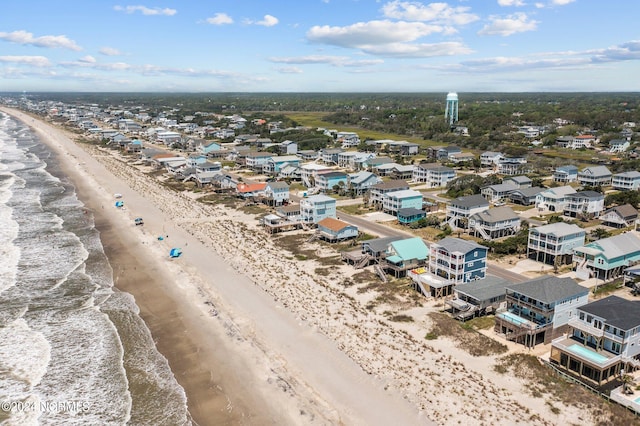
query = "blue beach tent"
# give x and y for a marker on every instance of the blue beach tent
(175, 252)
(119, 203)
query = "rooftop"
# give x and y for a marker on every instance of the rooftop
(616, 311)
(549, 289)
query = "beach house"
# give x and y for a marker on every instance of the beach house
(512, 165)
(553, 244)
(310, 171)
(490, 158)
(432, 174)
(362, 181)
(602, 341)
(330, 181)
(539, 309)
(257, 160)
(607, 258)
(618, 145)
(410, 214)
(460, 209)
(525, 196)
(494, 223)
(275, 164)
(554, 199)
(333, 230)
(250, 191)
(276, 193)
(595, 176)
(479, 297)
(584, 204)
(396, 200)
(317, 207)
(620, 216)
(626, 181)
(403, 255)
(497, 193)
(565, 174)
(377, 191)
(458, 261)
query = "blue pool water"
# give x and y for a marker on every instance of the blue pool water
(588, 353)
(637, 400)
(512, 318)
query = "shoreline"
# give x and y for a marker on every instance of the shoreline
(273, 367)
(312, 341)
(195, 359)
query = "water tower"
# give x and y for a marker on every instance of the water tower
(451, 111)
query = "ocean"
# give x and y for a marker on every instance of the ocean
(73, 349)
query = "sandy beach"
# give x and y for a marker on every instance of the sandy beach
(255, 336)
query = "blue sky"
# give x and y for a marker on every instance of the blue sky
(319, 45)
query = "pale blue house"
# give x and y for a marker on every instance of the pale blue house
(209, 148)
(317, 207)
(404, 199)
(325, 182)
(607, 258)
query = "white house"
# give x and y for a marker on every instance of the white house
(626, 180)
(554, 199)
(433, 174)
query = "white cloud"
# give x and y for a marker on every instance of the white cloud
(419, 50)
(268, 21)
(146, 10)
(561, 2)
(35, 61)
(625, 52)
(27, 38)
(511, 3)
(338, 61)
(512, 24)
(371, 33)
(387, 38)
(289, 70)
(220, 19)
(436, 12)
(88, 59)
(110, 51)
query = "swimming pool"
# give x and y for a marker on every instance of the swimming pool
(513, 318)
(588, 354)
(637, 400)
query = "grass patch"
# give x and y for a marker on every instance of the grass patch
(606, 289)
(401, 318)
(543, 382)
(480, 323)
(466, 337)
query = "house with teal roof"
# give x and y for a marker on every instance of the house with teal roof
(403, 255)
(208, 148)
(607, 258)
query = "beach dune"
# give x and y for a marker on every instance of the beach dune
(238, 353)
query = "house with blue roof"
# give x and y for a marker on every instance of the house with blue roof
(276, 163)
(607, 258)
(403, 255)
(565, 174)
(361, 181)
(209, 148)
